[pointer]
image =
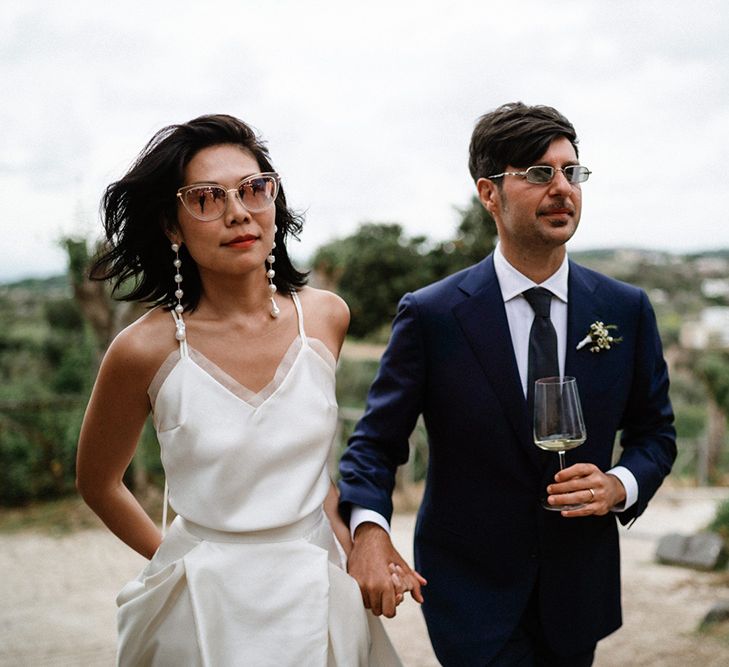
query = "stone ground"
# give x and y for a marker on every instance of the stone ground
(57, 595)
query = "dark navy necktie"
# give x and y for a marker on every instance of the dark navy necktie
(543, 360)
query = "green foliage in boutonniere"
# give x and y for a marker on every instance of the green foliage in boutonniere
(599, 337)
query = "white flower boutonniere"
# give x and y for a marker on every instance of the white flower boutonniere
(599, 337)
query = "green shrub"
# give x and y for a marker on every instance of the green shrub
(354, 377)
(720, 522)
(690, 420)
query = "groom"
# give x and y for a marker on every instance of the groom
(509, 582)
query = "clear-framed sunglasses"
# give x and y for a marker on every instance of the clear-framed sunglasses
(207, 201)
(541, 174)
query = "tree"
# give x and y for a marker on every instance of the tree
(371, 270)
(713, 369)
(475, 239)
(375, 266)
(106, 316)
(476, 235)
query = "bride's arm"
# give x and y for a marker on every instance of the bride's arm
(114, 418)
(340, 529)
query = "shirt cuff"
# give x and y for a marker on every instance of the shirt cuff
(361, 515)
(631, 487)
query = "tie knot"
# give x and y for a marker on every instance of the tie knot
(540, 300)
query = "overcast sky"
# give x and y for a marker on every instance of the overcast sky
(367, 107)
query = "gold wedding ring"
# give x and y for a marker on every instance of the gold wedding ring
(593, 495)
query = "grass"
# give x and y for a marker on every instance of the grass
(717, 630)
(64, 515)
(59, 516)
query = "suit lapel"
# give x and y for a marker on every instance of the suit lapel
(482, 318)
(582, 310)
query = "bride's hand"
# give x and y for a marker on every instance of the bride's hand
(403, 582)
(398, 576)
(369, 564)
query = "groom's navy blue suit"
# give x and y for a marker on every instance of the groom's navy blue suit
(482, 540)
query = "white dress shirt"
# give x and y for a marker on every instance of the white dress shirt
(520, 316)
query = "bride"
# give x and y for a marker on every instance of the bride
(235, 362)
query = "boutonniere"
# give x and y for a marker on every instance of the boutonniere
(599, 337)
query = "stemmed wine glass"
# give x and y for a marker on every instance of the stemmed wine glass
(558, 422)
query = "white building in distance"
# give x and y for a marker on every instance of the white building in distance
(711, 331)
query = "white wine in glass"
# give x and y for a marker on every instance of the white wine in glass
(558, 422)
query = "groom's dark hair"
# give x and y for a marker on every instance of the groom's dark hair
(515, 134)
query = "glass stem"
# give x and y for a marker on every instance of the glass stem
(561, 460)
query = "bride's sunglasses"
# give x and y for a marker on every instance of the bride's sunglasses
(207, 201)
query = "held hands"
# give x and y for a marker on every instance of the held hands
(401, 583)
(382, 574)
(585, 483)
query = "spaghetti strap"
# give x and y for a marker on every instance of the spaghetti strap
(180, 333)
(300, 314)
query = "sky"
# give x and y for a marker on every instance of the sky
(367, 108)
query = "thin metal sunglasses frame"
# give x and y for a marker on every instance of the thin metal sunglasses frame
(577, 169)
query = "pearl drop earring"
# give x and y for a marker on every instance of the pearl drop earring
(275, 310)
(179, 308)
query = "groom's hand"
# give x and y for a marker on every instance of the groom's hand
(585, 483)
(370, 564)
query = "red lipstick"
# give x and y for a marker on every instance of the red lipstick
(244, 241)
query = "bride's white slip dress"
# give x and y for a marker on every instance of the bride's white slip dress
(249, 572)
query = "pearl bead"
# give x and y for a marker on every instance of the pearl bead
(179, 308)
(175, 247)
(178, 294)
(271, 259)
(270, 273)
(177, 263)
(178, 278)
(272, 288)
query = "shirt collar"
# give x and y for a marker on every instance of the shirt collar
(513, 283)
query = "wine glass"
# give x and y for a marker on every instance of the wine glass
(558, 422)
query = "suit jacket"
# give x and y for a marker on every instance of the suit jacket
(482, 540)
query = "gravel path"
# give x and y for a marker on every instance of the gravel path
(57, 596)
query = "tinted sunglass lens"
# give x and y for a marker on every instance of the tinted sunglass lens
(257, 193)
(540, 174)
(205, 203)
(576, 173)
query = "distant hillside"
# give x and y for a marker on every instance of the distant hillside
(645, 254)
(39, 284)
(722, 253)
(36, 291)
(602, 259)
(620, 254)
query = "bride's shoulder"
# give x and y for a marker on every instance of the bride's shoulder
(144, 345)
(324, 306)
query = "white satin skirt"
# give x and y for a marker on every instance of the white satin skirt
(274, 597)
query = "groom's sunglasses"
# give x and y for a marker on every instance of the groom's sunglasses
(541, 174)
